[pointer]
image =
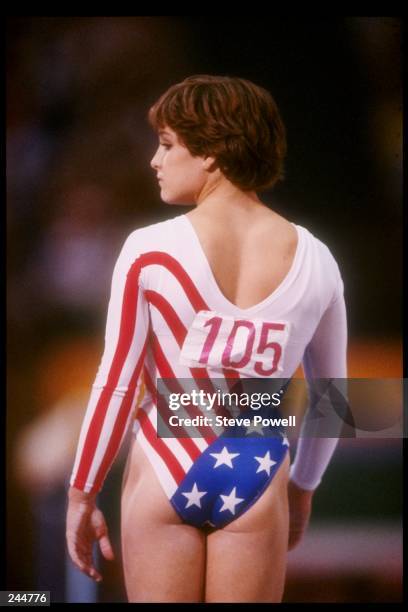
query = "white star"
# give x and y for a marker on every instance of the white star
(265, 463)
(194, 496)
(230, 501)
(285, 441)
(224, 457)
(254, 428)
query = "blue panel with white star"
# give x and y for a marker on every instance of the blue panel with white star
(229, 476)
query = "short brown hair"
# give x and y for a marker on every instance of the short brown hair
(228, 118)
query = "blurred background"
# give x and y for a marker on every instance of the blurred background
(79, 181)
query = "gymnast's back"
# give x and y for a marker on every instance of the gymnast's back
(168, 317)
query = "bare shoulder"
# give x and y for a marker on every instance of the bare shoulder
(261, 222)
(238, 246)
(261, 231)
(274, 236)
(271, 223)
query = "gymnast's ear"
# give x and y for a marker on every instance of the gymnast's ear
(210, 164)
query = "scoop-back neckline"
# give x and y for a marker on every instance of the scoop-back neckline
(269, 298)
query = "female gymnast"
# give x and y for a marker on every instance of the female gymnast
(230, 290)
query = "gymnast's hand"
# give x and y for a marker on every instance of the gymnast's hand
(300, 506)
(85, 523)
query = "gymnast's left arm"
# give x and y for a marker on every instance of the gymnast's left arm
(325, 358)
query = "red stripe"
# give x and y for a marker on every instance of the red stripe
(170, 460)
(119, 427)
(187, 443)
(169, 262)
(127, 325)
(169, 314)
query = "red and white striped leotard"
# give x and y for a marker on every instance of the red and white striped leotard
(163, 294)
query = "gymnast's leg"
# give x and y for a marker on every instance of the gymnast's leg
(246, 560)
(163, 559)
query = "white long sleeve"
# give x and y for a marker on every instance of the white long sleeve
(325, 357)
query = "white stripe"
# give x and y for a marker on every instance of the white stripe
(107, 432)
(172, 443)
(163, 474)
(83, 433)
(174, 288)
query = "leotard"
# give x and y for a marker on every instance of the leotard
(168, 320)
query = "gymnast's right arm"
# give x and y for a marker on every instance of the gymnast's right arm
(110, 408)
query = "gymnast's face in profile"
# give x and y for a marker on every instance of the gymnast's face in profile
(181, 175)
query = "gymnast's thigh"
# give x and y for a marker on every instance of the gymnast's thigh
(246, 560)
(163, 558)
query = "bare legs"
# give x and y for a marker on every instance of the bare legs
(165, 560)
(246, 560)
